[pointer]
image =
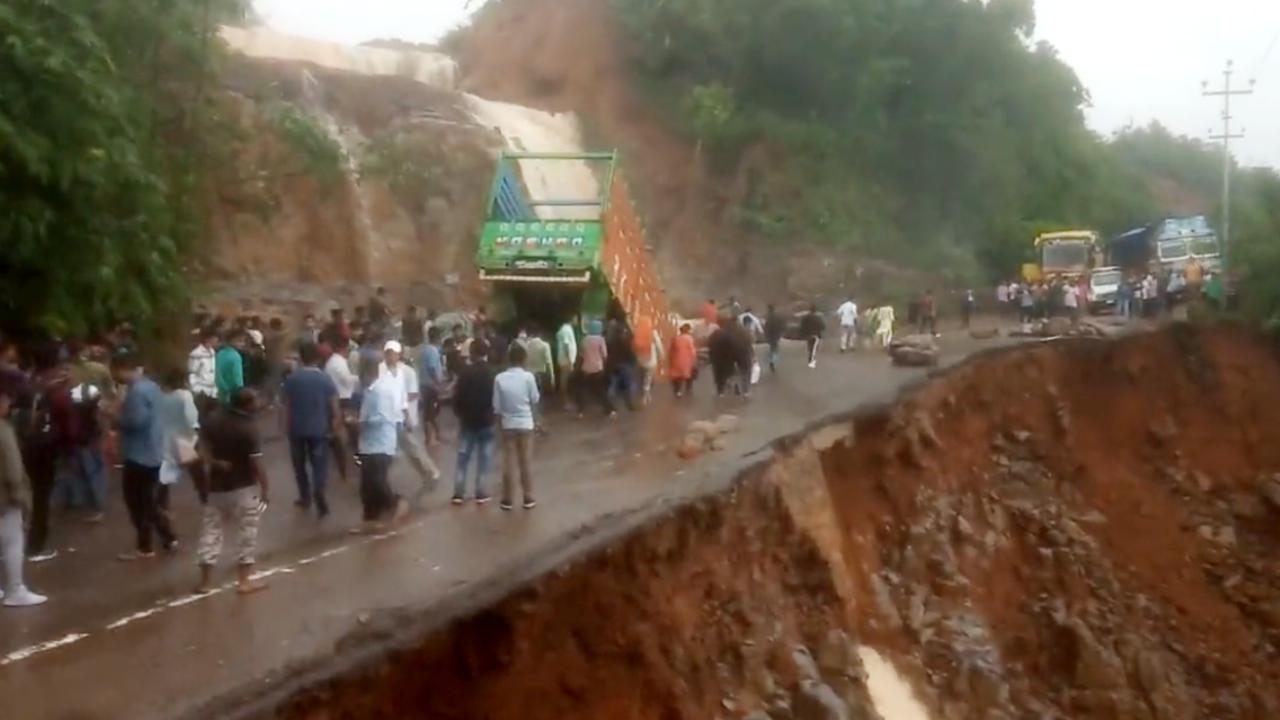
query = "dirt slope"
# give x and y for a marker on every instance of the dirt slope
(1083, 530)
(568, 55)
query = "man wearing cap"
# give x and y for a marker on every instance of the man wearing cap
(406, 379)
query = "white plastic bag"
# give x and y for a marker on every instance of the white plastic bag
(170, 473)
(755, 373)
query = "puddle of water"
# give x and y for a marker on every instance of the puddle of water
(890, 692)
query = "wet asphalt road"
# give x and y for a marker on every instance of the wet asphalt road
(129, 641)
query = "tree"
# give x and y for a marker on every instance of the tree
(96, 156)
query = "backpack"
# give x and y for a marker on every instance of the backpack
(33, 423)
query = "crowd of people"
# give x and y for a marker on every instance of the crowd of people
(350, 397)
(1137, 294)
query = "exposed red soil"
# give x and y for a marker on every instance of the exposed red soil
(671, 623)
(1080, 530)
(1071, 490)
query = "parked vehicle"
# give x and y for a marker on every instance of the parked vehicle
(1104, 288)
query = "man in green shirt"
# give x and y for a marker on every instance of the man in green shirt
(539, 361)
(228, 369)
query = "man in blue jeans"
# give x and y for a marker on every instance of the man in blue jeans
(473, 404)
(311, 414)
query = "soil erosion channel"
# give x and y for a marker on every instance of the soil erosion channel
(1076, 530)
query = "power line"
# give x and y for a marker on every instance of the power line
(1226, 93)
(1261, 66)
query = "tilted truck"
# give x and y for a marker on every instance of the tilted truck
(561, 240)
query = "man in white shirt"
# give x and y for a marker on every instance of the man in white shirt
(566, 350)
(406, 433)
(847, 314)
(515, 395)
(339, 371)
(200, 372)
(1071, 301)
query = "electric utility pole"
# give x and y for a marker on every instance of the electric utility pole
(1226, 93)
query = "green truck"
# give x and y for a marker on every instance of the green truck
(561, 241)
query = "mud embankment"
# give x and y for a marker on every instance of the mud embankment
(1082, 530)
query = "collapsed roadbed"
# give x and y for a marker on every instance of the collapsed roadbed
(1081, 529)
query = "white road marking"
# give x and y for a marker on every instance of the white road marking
(135, 617)
(27, 652)
(187, 599)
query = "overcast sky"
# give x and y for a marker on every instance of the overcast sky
(1140, 59)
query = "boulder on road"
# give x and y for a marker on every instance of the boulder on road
(707, 430)
(691, 446)
(726, 424)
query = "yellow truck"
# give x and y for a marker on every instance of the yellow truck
(1069, 254)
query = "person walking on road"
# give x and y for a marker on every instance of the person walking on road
(412, 334)
(847, 314)
(201, 377)
(928, 314)
(566, 359)
(647, 346)
(884, 324)
(312, 417)
(433, 386)
(812, 326)
(392, 368)
(967, 306)
(473, 405)
(744, 357)
(620, 362)
(45, 430)
(86, 462)
(236, 492)
(229, 366)
(1071, 302)
(683, 361)
(774, 328)
(720, 357)
(15, 506)
(382, 411)
(595, 352)
(343, 442)
(180, 420)
(515, 398)
(540, 362)
(710, 313)
(142, 445)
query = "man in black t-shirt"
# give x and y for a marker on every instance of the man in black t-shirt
(236, 492)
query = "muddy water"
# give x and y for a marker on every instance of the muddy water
(430, 68)
(891, 694)
(523, 129)
(1071, 531)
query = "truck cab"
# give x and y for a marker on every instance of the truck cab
(1069, 254)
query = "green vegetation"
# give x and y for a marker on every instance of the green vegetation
(931, 133)
(321, 155)
(414, 167)
(101, 158)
